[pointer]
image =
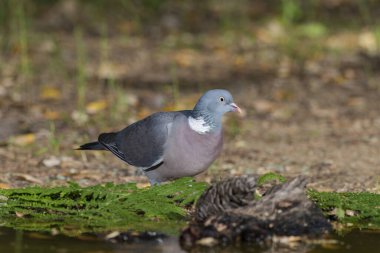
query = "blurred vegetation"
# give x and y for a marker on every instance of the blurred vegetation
(191, 16)
(154, 19)
(303, 20)
(22, 24)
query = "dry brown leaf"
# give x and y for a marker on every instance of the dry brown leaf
(50, 93)
(143, 112)
(185, 58)
(239, 61)
(96, 106)
(51, 115)
(4, 186)
(23, 139)
(143, 185)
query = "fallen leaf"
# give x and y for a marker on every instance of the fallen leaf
(51, 115)
(4, 186)
(23, 139)
(50, 93)
(143, 112)
(239, 61)
(185, 58)
(143, 185)
(96, 106)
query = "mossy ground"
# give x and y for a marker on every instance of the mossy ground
(356, 209)
(73, 210)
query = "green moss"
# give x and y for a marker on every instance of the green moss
(270, 176)
(361, 209)
(74, 210)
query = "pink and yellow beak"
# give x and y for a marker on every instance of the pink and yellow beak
(235, 108)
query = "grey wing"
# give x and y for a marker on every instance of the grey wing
(142, 143)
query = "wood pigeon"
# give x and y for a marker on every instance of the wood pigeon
(170, 145)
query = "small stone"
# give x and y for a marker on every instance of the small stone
(112, 235)
(350, 213)
(51, 162)
(207, 241)
(79, 117)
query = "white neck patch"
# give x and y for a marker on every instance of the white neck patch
(198, 125)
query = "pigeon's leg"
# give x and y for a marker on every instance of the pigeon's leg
(154, 182)
(139, 172)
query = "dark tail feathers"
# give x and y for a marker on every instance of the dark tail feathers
(92, 146)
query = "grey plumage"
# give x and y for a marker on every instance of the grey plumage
(169, 145)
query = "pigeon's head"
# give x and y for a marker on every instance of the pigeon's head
(215, 103)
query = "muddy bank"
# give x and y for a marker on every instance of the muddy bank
(229, 213)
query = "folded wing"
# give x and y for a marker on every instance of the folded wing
(141, 144)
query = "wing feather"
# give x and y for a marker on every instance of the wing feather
(142, 144)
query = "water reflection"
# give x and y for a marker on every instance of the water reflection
(24, 242)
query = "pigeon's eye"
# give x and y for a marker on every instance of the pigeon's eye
(221, 99)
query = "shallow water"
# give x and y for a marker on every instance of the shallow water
(24, 242)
